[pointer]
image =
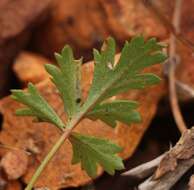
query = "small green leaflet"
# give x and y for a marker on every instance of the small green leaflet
(138, 81)
(110, 79)
(91, 151)
(118, 110)
(67, 79)
(37, 106)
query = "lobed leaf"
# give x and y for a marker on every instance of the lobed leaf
(118, 110)
(138, 81)
(109, 79)
(135, 56)
(91, 151)
(67, 79)
(37, 106)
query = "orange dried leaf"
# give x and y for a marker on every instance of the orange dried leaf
(39, 137)
(85, 24)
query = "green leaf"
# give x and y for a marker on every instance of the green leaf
(138, 81)
(91, 151)
(118, 110)
(67, 79)
(135, 56)
(104, 64)
(37, 106)
(110, 78)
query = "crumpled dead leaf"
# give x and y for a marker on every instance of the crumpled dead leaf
(87, 23)
(38, 138)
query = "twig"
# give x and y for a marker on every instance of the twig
(144, 170)
(186, 89)
(154, 9)
(171, 75)
(167, 181)
(50, 155)
(175, 34)
(174, 164)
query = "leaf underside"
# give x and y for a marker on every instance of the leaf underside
(67, 79)
(109, 79)
(118, 110)
(135, 56)
(36, 106)
(91, 151)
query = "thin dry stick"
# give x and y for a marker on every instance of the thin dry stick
(184, 88)
(154, 9)
(144, 170)
(181, 156)
(171, 75)
(167, 181)
(175, 30)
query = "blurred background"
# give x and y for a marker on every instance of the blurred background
(31, 31)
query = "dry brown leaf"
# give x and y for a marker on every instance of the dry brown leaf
(16, 19)
(2, 150)
(85, 24)
(13, 20)
(38, 138)
(185, 69)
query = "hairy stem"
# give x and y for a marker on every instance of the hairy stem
(88, 105)
(66, 133)
(48, 157)
(172, 63)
